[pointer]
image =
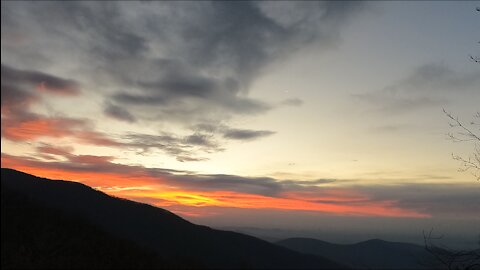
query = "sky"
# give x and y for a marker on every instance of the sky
(294, 115)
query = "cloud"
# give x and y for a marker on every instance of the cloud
(187, 188)
(38, 127)
(295, 102)
(416, 199)
(20, 90)
(428, 85)
(15, 100)
(387, 103)
(20, 124)
(184, 187)
(246, 134)
(41, 81)
(66, 152)
(452, 200)
(118, 113)
(200, 139)
(231, 133)
(183, 148)
(62, 151)
(162, 63)
(181, 62)
(69, 162)
(19, 94)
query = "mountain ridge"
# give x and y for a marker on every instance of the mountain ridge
(369, 254)
(158, 229)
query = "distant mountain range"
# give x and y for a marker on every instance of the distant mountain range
(371, 254)
(62, 224)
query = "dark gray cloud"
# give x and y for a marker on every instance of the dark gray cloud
(231, 133)
(118, 113)
(179, 63)
(20, 89)
(38, 80)
(246, 134)
(452, 200)
(15, 99)
(252, 185)
(200, 139)
(170, 60)
(436, 77)
(429, 85)
(183, 148)
(308, 182)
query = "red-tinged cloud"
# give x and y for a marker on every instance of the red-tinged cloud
(170, 190)
(87, 173)
(20, 90)
(55, 150)
(66, 153)
(96, 138)
(37, 127)
(23, 88)
(31, 127)
(89, 159)
(20, 124)
(252, 201)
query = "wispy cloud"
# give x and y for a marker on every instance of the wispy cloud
(149, 62)
(428, 85)
(39, 81)
(183, 148)
(119, 113)
(170, 188)
(295, 102)
(246, 134)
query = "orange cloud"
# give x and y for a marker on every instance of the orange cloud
(58, 151)
(33, 127)
(139, 185)
(39, 127)
(80, 173)
(242, 200)
(89, 159)
(20, 123)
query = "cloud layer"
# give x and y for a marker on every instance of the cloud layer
(180, 189)
(164, 62)
(428, 85)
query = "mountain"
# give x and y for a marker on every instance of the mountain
(38, 237)
(371, 254)
(37, 210)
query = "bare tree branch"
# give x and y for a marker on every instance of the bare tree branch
(451, 259)
(467, 133)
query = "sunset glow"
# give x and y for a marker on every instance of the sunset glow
(303, 111)
(338, 201)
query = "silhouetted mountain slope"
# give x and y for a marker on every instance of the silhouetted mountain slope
(34, 236)
(371, 254)
(173, 238)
